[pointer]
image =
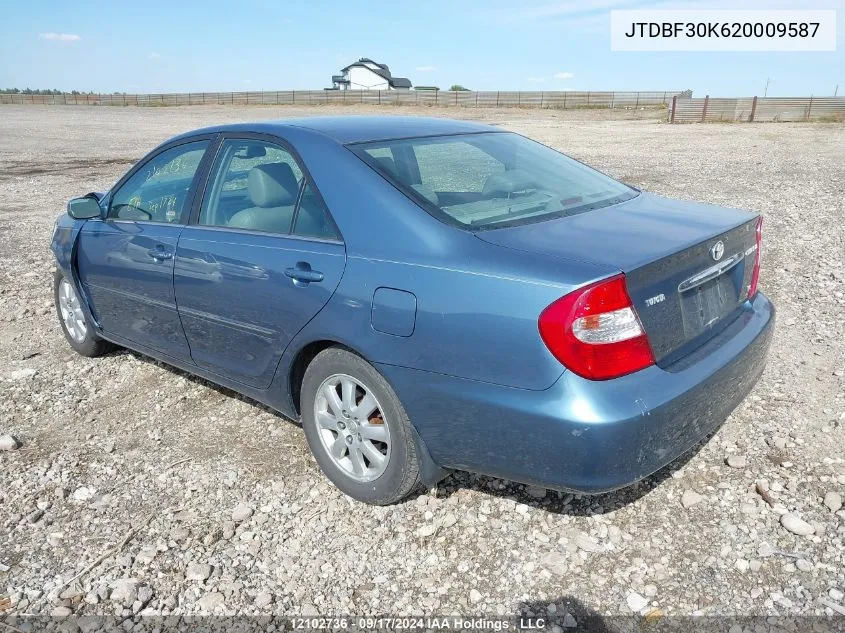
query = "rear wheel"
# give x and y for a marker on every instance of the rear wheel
(357, 429)
(75, 326)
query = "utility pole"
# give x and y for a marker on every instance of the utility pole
(766, 89)
(836, 90)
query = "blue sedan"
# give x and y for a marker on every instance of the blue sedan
(425, 295)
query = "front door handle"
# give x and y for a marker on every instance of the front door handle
(160, 254)
(303, 274)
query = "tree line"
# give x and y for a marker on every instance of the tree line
(47, 91)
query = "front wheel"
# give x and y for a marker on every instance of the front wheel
(75, 326)
(357, 428)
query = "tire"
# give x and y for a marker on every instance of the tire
(81, 335)
(358, 472)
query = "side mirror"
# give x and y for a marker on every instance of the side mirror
(84, 208)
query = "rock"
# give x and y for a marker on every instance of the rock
(146, 555)
(228, 530)
(9, 443)
(83, 493)
(636, 602)
(586, 542)
(474, 596)
(796, 524)
(90, 623)
(198, 571)
(426, 530)
(742, 565)
(569, 621)
(263, 599)
(804, 565)
(125, 592)
(736, 461)
(690, 498)
(555, 562)
(449, 520)
(538, 492)
(210, 601)
(241, 513)
(35, 516)
(755, 565)
(145, 594)
(22, 374)
(60, 612)
(833, 500)
(836, 594)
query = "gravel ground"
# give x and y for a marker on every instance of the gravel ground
(140, 489)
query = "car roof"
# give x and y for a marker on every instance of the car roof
(358, 129)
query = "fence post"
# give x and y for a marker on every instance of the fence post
(519, 98)
(476, 98)
(497, 98)
(753, 110)
(674, 107)
(704, 109)
(564, 99)
(456, 97)
(588, 97)
(541, 98)
(810, 107)
(637, 105)
(293, 96)
(612, 99)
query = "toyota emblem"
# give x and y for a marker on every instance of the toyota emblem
(717, 250)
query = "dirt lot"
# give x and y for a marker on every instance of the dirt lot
(121, 498)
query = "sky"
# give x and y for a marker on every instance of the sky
(210, 45)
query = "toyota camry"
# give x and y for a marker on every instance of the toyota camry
(425, 295)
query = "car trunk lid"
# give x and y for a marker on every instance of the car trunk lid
(687, 265)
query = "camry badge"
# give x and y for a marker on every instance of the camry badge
(717, 250)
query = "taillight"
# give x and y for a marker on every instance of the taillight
(595, 332)
(755, 274)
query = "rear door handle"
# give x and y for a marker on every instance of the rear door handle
(303, 274)
(160, 254)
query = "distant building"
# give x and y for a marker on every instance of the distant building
(365, 74)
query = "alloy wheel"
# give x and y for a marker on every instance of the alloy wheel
(352, 428)
(71, 311)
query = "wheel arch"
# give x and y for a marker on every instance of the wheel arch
(430, 471)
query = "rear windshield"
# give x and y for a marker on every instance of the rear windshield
(491, 180)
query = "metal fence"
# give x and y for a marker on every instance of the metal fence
(748, 109)
(466, 98)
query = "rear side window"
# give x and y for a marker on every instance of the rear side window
(158, 190)
(259, 186)
(491, 180)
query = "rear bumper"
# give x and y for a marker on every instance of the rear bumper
(584, 435)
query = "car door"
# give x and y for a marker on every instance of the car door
(125, 260)
(259, 259)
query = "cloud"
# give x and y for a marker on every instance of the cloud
(426, 69)
(153, 56)
(564, 75)
(60, 37)
(536, 79)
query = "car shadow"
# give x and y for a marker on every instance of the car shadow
(558, 502)
(568, 613)
(561, 502)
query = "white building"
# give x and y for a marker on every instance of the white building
(365, 74)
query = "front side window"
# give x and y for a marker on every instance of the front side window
(259, 186)
(491, 180)
(158, 191)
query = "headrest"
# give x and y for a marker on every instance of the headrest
(428, 193)
(387, 163)
(508, 182)
(272, 185)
